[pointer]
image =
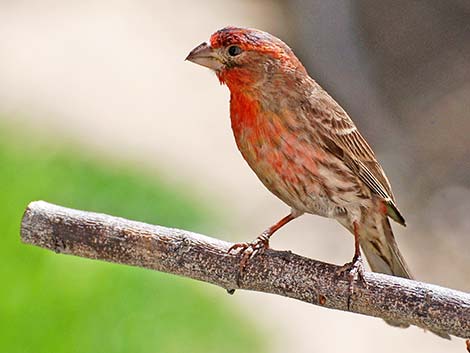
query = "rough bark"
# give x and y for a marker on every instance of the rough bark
(103, 237)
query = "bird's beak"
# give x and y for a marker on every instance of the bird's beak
(204, 55)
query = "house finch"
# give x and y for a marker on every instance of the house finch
(302, 145)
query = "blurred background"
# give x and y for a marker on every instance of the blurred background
(99, 111)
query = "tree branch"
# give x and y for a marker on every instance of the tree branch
(184, 253)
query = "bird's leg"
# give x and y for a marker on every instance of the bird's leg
(355, 268)
(357, 250)
(262, 242)
(356, 262)
(250, 250)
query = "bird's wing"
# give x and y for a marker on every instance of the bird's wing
(341, 137)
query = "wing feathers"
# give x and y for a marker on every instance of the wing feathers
(341, 137)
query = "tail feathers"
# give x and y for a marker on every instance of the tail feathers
(381, 250)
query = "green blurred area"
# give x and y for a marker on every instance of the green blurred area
(57, 303)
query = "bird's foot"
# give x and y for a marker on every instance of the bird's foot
(355, 272)
(249, 251)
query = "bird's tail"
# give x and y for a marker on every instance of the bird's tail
(381, 250)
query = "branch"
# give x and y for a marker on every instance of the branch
(184, 253)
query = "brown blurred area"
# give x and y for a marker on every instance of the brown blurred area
(110, 76)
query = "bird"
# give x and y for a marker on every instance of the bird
(303, 146)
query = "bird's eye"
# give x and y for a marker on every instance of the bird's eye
(234, 50)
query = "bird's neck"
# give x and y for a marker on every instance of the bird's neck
(244, 112)
(238, 79)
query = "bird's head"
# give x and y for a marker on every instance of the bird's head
(245, 57)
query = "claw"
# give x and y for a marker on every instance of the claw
(253, 254)
(355, 272)
(356, 266)
(248, 251)
(237, 246)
